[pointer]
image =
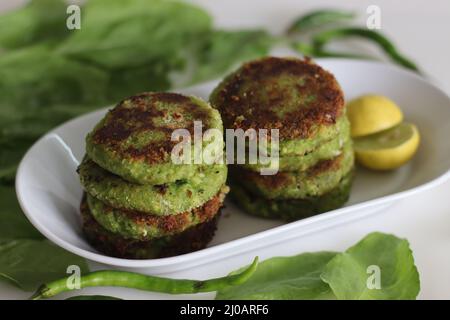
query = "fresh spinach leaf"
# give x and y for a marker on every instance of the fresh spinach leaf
(34, 78)
(329, 275)
(29, 263)
(11, 153)
(129, 81)
(120, 34)
(349, 273)
(13, 223)
(21, 127)
(220, 50)
(39, 20)
(284, 278)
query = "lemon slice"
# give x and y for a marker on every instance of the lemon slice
(388, 149)
(372, 113)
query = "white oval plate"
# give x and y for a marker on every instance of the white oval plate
(49, 190)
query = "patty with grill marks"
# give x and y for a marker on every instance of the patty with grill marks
(134, 140)
(297, 97)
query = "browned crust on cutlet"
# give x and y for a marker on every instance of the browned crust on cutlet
(121, 122)
(192, 239)
(177, 222)
(245, 109)
(283, 178)
(326, 165)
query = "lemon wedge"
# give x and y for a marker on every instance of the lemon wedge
(388, 149)
(370, 114)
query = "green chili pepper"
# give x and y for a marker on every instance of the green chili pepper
(311, 51)
(319, 18)
(322, 38)
(148, 283)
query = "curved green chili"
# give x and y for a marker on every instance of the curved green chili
(148, 283)
(319, 18)
(322, 38)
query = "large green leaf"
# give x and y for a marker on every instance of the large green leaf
(129, 33)
(13, 223)
(34, 78)
(29, 263)
(39, 20)
(129, 81)
(284, 278)
(351, 274)
(219, 50)
(11, 153)
(328, 275)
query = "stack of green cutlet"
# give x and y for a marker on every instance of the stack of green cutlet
(305, 103)
(139, 203)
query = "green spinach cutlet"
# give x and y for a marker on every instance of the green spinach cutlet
(291, 209)
(142, 226)
(162, 199)
(134, 140)
(315, 181)
(297, 97)
(139, 204)
(192, 239)
(325, 151)
(305, 104)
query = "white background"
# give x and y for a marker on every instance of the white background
(421, 29)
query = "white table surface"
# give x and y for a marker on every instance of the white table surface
(420, 29)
